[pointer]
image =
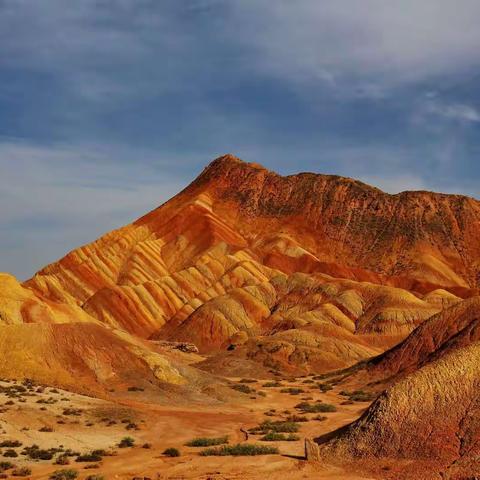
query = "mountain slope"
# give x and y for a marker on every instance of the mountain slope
(432, 415)
(220, 258)
(431, 411)
(305, 219)
(454, 327)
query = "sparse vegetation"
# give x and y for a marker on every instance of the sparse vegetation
(62, 460)
(67, 474)
(277, 427)
(240, 449)
(89, 457)
(297, 418)
(10, 444)
(325, 387)
(72, 411)
(275, 437)
(358, 396)
(46, 429)
(207, 442)
(6, 466)
(10, 453)
(171, 452)
(272, 384)
(126, 442)
(241, 387)
(21, 472)
(316, 407)
(36, 453)
(292, 391)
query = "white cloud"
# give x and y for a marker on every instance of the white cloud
(136, 47)
(54, 198)
(388, 43)
(455, 111)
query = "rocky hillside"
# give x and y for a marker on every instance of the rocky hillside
(431, 411)
(243, 254)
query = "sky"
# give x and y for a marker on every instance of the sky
(108, 108)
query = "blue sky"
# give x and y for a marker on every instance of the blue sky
(108, 108)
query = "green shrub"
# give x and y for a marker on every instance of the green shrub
(46, 429)
(126, 442)
(68, 474)
(36, 453)
(21, 472)
(358, 396)
(10, 453)
(243, 388)
(72, 411)
(241, 449)
(89, 457)
(292, 391)
(10, 444)
(316, 407)
(207, 442)
(171, 452)
(6, 466)
(271, 384)
(277, 426)
(325, 387)
(297, 418)
(275, 437)
(62, 460)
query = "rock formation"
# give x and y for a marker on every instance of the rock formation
(243, 250)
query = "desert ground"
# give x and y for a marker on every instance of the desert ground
(66, 425)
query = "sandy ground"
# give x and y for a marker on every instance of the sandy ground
(163, 427)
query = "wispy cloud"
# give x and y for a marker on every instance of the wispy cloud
(373, 41)
(454, 111)
(55, 198)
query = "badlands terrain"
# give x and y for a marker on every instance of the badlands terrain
(253, 326)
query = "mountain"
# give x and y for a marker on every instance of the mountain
(452, 328)
(311, 271)
(305, 222)
(430, 416)
(246, 273)
(430, 412)
(60, 344)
